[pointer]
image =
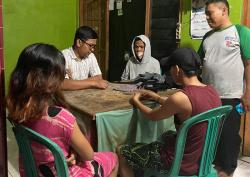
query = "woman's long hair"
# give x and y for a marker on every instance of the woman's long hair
(36, 82)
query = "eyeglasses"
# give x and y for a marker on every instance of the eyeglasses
(91, 46)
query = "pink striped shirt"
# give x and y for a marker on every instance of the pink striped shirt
(59, 129)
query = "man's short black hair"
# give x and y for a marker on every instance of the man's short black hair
(219, 1)
(84, 33)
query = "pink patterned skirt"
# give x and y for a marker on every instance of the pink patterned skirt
(102, 165)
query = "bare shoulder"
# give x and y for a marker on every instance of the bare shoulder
(180, 100)
(179, 97)
(180, 103)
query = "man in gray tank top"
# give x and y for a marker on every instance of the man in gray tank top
(226, 66)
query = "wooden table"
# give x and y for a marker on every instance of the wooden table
(89, 102)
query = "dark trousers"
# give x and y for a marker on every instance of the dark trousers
(229, 144)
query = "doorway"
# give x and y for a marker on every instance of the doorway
(116, 29)
(123, 28)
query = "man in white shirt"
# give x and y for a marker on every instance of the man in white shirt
(82, 69)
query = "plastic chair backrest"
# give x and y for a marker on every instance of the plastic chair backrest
(215, 120)
(24, 136)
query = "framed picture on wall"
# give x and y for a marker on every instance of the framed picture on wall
(199, 25)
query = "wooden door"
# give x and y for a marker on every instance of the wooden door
(93, 13)
(245, 134)
(245, 120)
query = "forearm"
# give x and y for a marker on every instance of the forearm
(143, 108)
(69, 84)
(80, 144)
(97, 77)
(151, 114)
(160, 99)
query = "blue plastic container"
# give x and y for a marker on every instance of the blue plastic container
(239, 108)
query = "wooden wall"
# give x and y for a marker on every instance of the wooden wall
(3, 144)
(245, 134)
(245, 120)
(246, 13)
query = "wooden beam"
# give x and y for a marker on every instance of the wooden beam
(147, 18)
(107, 41)
(245, 123)
(81, 12)
(246, 135)
(3, 136)
(246, 13)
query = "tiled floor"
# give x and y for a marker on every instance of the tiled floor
(13, 150)
(243, 169)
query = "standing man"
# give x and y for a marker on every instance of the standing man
(225, 52)
(82, 69)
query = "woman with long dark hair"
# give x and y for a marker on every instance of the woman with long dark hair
(35, 100)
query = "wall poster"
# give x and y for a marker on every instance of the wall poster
(198, 22)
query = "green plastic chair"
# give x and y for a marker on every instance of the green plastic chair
(24, 136)
(215, 119)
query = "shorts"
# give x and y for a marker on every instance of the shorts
(144, 156)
